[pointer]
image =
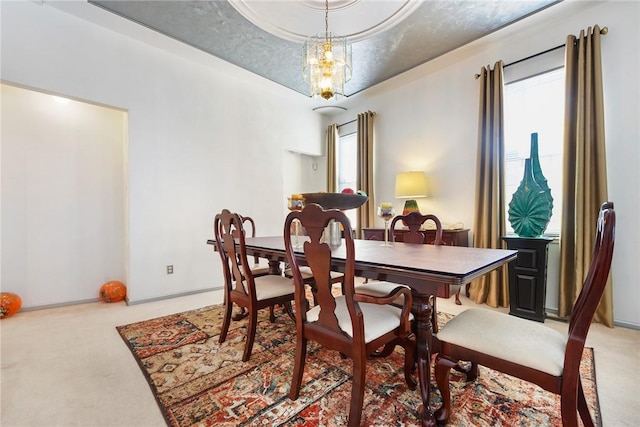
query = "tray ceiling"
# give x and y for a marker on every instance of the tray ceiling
(265, 37)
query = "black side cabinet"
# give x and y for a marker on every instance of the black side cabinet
(528, 277)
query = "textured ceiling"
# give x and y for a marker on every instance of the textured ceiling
(433, 28)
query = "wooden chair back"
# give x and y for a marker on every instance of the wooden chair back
(230, 242)
(252, 223)
(338, 323)
(593, 287)
(224, 256)
(414, 221)
(317, 253)
(248, 290)
(560, 375)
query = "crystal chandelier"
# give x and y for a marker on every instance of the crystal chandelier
(326, 62)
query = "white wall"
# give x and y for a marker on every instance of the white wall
(427, 120)
(188, 113)
(63, 197)
(203, 136)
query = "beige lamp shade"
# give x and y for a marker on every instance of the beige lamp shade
(410, 185)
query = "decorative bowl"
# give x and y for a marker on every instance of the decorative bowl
(340, 201)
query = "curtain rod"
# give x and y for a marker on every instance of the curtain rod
(603, 31)
(346, 123)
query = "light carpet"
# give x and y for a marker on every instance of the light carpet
(198, 382)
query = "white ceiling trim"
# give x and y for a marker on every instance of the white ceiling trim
(296, 20)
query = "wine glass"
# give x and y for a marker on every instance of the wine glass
(386, 212)
(296, 203)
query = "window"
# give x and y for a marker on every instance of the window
(535, 104)
(347, 168)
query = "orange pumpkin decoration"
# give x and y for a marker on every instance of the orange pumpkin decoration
(10, 304)
(113, 291)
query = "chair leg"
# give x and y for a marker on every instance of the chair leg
(228, 307)
(583, 408)
(572, 399)
(458, 302)
(241, 314)
(289, 310)
(298, 368)
(434, 314)
(357, 390)
(272, 314)
(569, 409)
(251, 334)
(409, 361)
(385, 351)
(442, 369)
(470, 371)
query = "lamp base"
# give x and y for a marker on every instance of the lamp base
(410, 205)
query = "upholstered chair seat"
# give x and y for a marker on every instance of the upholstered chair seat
(378, 319)
(272, 286)
(512, 338)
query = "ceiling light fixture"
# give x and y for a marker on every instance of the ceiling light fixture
(326, 61)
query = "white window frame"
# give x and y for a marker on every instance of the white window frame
(536, 70)
(350, 138)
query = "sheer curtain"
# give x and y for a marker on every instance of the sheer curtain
(489, 215)
(366, 213)
(332, 141)
(584, 170)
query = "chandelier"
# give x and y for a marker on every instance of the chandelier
(326, 61)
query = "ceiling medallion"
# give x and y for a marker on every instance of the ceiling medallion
(326, 62)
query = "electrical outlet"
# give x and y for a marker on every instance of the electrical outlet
(169, 269)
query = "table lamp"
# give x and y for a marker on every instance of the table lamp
(410, 185)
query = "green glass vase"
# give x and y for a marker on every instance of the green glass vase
(537, 170)
(531, 205)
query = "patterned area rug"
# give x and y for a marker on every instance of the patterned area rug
(198, 382)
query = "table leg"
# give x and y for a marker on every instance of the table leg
(422, 313)
(274, 267)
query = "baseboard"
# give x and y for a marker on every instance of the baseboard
(629, 325)
(553, 315)
(58, 305)
(136, 302)
(170, 296)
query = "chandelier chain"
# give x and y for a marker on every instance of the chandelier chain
(326, 20)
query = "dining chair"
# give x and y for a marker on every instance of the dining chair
(414, 221)
(256, 268)
(526, 349)
(242, 288)
(352, 324)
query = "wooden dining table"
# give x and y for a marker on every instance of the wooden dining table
(424, 268)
